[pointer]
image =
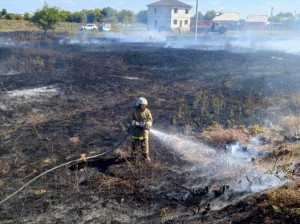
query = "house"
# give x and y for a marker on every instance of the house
(231, 19)
(256, 22)
(169, 15)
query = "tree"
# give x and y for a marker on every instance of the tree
(27, 16)
(200, 16)
(98, 14)
(46, 18)
(209, 15)
(18, 17)
(287, 17)
(90, 16)
(64, 15)
(79, 17)
(10, 16)
(109, 14)
(142, 16)
(4, 12)
(126, 16)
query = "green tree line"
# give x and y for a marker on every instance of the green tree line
(109, 14)
(286, 17)
(88, 16)
(209, 15)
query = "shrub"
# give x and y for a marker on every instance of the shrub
(218, 137)
(51, 64)
(46, 18)
(10, 16)
(256, 129)
(290, 125)
(38, 64)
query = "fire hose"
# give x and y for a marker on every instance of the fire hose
(69, 163)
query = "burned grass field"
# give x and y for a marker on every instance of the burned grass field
(61, 101)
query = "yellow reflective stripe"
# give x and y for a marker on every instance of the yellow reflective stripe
(145, 152)
(139, 138)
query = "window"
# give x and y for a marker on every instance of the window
(154, 10)
(175, 10)
(186, 22)
(186, 11)
(175, 22)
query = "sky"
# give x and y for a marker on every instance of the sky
(244, 7)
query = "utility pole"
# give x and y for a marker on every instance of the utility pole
(295, 19)
(196, 23)
(272, 18)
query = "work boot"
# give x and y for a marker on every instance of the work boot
(134, 155)
(147, 157)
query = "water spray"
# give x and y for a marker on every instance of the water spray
(235, 164)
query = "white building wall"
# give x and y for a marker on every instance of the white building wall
(182, 18)
(164, 18)
(159, 19)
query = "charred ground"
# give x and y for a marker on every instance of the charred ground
(88, 91)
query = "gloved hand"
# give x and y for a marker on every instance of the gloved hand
(135, 123)
(142, 125)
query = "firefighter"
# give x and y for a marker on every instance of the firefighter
(141, 119)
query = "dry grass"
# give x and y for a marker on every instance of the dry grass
(217, 136)
(105, 183)
(290, 125)
(283, 204)
(22, 25)
(133, 177)
(4, 167)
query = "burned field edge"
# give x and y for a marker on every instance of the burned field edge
(190, 91)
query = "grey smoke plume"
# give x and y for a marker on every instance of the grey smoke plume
(241, 42)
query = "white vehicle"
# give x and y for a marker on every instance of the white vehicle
(106, 27)
(89, 26)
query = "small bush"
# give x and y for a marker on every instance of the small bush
(256, 129)
(51, 64)
(290, 125)
(4, 167)
(219, 137)
(228, 85)
(34, 65)
(38, 62)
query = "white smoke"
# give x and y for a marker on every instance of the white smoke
(233, 41)
(7, 43)
(240, 42)
(109, 38)
(234, 166)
